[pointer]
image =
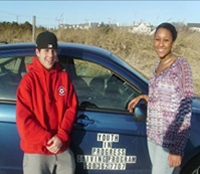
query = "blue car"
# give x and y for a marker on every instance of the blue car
(106, 138)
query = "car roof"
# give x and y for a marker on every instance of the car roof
(76, 49)
(24, 45)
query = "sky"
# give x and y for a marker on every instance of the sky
(51, 13)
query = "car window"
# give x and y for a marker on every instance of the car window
(10, 76)
(97, 86)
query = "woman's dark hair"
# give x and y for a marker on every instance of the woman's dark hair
(169, 27)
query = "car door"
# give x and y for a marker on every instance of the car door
(10, 152)
(106, 138)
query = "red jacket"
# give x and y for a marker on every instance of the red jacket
(46, 106)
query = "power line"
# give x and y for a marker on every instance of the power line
(22, 15)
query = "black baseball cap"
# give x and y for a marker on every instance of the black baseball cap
(46, 40)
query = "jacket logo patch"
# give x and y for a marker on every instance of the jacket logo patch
(61, 91)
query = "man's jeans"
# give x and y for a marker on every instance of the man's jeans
(49, 164)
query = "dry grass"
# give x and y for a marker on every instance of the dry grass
(136, 49)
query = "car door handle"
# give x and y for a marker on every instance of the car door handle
(84, 121)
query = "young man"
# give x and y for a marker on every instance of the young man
(46, 110)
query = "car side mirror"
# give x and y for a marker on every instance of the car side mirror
(140, 112)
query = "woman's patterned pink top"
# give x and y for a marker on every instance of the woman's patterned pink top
(170, 105)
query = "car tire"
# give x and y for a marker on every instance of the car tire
(192, 167)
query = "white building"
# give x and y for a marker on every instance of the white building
(141, 27)
(194, 26)
(85, 26)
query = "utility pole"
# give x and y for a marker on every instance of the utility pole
(33, 29)
(60, 19)
(109, 21)
(17, 18)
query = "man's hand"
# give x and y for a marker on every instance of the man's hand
(54, 144)
(174, 160)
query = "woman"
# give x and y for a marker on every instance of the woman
(169, 103)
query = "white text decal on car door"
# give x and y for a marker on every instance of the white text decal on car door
(106, 158)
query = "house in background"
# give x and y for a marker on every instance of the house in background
(194, 26)
(86, 26)
(141, 28)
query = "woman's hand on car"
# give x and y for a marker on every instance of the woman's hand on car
(134, 102)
